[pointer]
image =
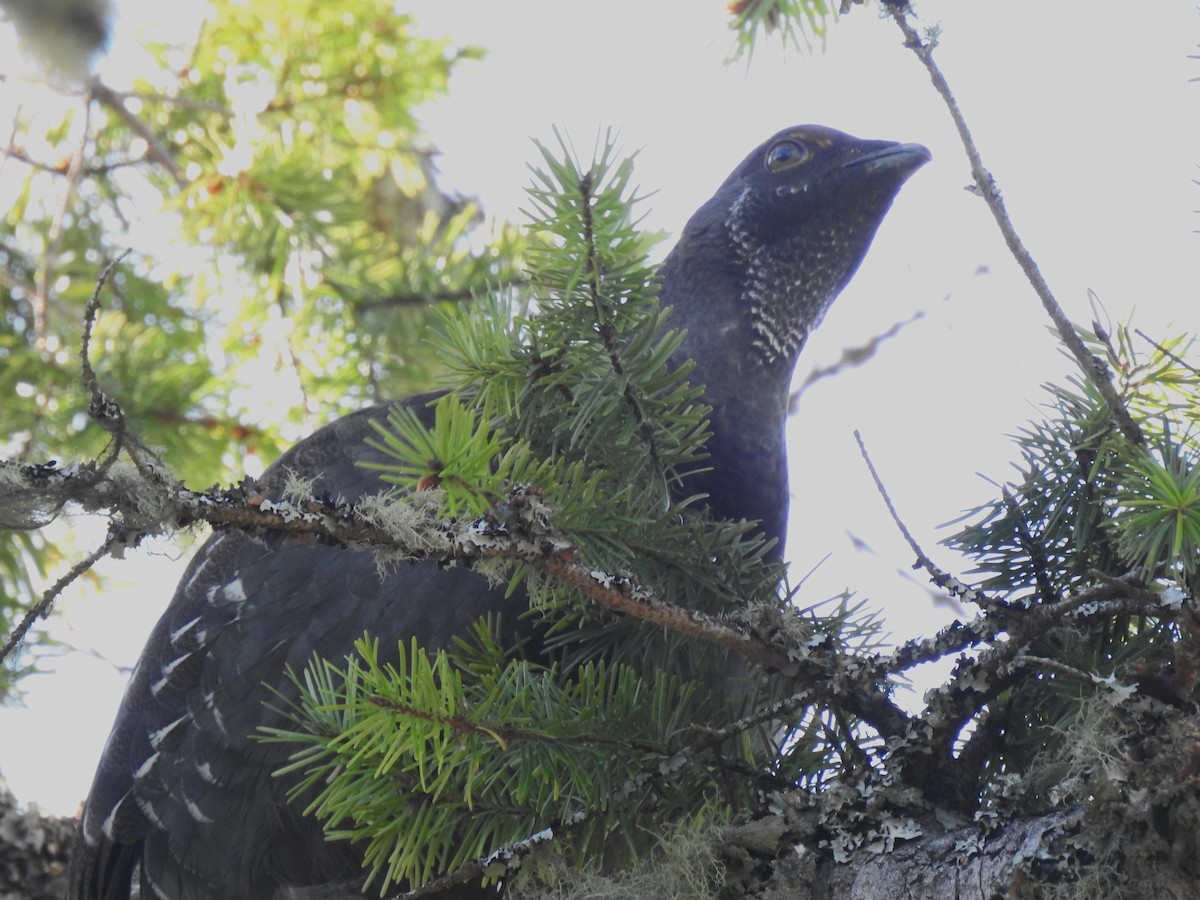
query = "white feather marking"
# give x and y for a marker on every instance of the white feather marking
(167, 671)
(107, 826)
(148, 811)
(182, 630)
(208, 555)
(204, 770)
(157, 737)
(144, 769)
(210, 704)
(196, 814)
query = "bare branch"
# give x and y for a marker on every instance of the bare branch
(64, 168)
(106, 96)
(1174, 357)
(1093, 368)
(157, 503)
(42, 608)
(103, 409)
(941, 578)
(851, 357)
(90, 312)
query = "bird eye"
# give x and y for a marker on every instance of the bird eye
(783, 155)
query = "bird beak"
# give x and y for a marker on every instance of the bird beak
(906, 157)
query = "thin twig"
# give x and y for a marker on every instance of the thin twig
(1093, 368)
(89, 321)
(155, 149)
(1165, 352)
(42, 608)
(1058, 667)
(922, 559)
(103, 409)
(293, 358)
(171, 507)
(1114, 595)
(1126, 587)
(63, 168)
(938, 576)
(850, 358)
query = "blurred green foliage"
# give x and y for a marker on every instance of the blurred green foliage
(289, 243)
(796, 22)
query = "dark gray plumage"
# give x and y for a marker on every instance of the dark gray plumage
(753, 274)
(183, 793)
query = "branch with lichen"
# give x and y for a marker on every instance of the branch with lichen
(516, 532)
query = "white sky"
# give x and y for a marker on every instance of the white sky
(1082, 111)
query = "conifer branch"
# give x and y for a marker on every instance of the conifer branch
(164, 505)
(1036, 552)
(594, 277)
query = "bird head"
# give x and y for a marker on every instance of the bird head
(758, 265)
(753, 273)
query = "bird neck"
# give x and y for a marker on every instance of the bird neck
(747, 476)
(745, 373)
